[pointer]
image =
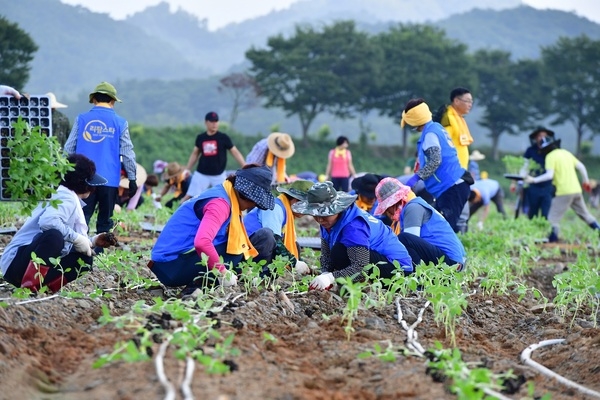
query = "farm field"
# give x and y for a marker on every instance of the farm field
(116, 334)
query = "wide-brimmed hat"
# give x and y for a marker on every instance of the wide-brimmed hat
(476, 155)
(140, 177)
(105, 88)
(281, 144)
(539, 129)
(548, 144)
(254, 183)
(173, 169)
(297, 189)
(96, 180)
(159, 166)
(389, 192)
(322, 200)
(365, 185)
(53, 102)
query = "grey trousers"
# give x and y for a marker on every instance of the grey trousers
(560, 205)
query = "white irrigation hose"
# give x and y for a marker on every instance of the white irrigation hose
(526, 359)
(160, 371)
(37, 300)
(187, 380)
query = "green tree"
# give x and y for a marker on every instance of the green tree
(315, 71)
(572, 66)
(420, 61)
(16, 52)
(509, 108)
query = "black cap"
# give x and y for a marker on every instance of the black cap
(96, 180)
(212, 116)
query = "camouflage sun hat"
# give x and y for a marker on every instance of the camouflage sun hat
(296, 189)
(322, 200)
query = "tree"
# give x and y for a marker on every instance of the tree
(419, 61)
(16, 52)
(572, 65)
(315, 71)
(242, 89)
(509, 107)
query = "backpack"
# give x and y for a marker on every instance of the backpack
(439, 114)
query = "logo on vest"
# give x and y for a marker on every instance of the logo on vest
(96, 131)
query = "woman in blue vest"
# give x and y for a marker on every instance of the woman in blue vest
(423, 231)
(273, 232)
(206, 233)
(350, 237)
(437, 163)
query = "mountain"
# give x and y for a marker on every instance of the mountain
(520, 30)
(79, 48)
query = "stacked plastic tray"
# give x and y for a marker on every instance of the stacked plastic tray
(35, 111)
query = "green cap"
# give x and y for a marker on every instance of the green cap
(105, 88)
(296, 189)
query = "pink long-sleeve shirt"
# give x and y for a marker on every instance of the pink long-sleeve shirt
(216, 212)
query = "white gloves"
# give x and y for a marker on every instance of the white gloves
(228, 278)
(302, 268)
(529, 179)
(322, 282)
(480, 225)
(83, 245)
(7, 90)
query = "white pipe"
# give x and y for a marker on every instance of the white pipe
(160, 371)
(526, 359)
(187, 380)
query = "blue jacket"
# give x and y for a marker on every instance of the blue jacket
(99, 138)
(382, 239)
(439, 233)
(449, 170)
(178, 235)
(256, 218)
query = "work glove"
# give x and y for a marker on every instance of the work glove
(413, 179)
(132, 188)
(83, 245)
(7, 90)
(302, 268)
(480, 225)
(228, 278)
(104, 239)
(529, 179)
(322, 282)
(587, 187)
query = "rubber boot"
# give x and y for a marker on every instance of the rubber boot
(553, 238)
(33, 278)
(57, 284)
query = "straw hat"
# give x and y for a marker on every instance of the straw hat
(173, 169)
(476, 156)
(140, 177)
(281, 144)
(53, 102)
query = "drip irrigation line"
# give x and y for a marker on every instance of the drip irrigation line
(526, 359)
(160, 371)
(187, 380)
(36, 300)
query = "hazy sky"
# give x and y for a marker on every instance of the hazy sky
(222, 12)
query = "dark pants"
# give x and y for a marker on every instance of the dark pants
(46, 245)
(498, 200)
(106, 198)
(539, 200)
(340, 260)
(341, 184)
(421, 250)
(451, 202)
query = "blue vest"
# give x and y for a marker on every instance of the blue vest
(381, 240)
(439, 233)
(99, 138)
(449, 170)
(178, 234)
(252, 222)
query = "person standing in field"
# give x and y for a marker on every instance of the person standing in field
(60, 122)
(339, 165)
(210, 151)
(103, 136)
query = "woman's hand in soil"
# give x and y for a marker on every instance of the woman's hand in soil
(105, 240)
(322, 282)
(301, 268)
(82, 244)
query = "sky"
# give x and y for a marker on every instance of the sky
(222, 12)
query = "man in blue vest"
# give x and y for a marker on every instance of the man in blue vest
(103, 136)
(437, 163)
